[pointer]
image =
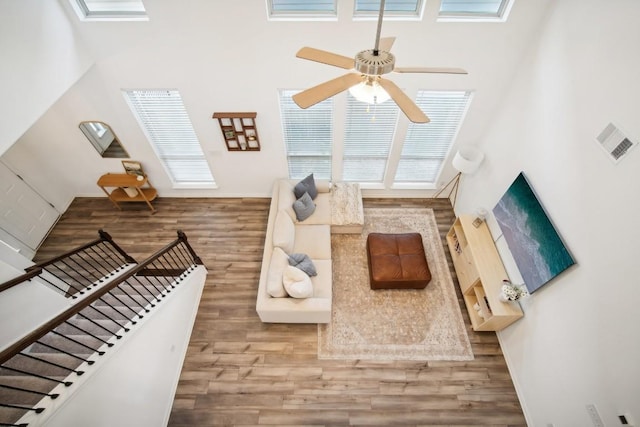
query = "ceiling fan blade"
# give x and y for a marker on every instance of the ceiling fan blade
(386, 43)
(408, 107)
(325, 57)
(312, 96)
(435, 70)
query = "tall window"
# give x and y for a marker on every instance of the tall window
(165, 122)
(307, 9)
(392, 9)
(426, 146)
(104, 10)
(368, 135)
(307, 136)
(474, 9)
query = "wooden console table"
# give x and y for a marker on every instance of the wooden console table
(120, 181)
(480, 273)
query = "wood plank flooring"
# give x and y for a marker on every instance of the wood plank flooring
(239, 371)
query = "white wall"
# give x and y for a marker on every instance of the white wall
(579, 341)
(41, 59)
(226, 56)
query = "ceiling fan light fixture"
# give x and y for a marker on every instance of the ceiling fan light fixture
(370, 92)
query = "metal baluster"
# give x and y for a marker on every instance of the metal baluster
(138, 292)
(79, 290)
(100, 353)
(145, 287)
(108, 254)
(59, 350)
(109, 317)
(31, 374)
(92, 276)
(124, 304)
(109, 344)
(52, 395)
(26, 408)
(133, 322)
(100, 326)
(51, 363)
(104, 271)
(55, 286)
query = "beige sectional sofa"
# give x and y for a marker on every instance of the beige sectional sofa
(312, 237)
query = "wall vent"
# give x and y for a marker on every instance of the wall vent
(615, 143)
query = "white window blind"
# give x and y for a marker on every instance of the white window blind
(426, 145)
(369, 131)
(473, 8)
(307, 136)
(165, 121)
(302, 8)
(113, 10)
(392, 8)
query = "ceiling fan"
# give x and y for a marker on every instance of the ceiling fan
(370, 65)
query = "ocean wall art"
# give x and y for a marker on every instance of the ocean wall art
(533, 241)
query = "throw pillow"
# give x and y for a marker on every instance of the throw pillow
(307, 185)
(297, 283)
(275, 286)
(284, 232)
(304, 207)
(304, 263)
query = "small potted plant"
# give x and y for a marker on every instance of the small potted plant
(512, 292)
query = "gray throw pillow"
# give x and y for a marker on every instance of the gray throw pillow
(304, 207)
(307, 185)
(304, 263)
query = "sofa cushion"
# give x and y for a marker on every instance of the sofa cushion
(286, 198)
(297, 283)
(303, 262)
(304, 207)
(307, 185)
(279, 261)
(284, 232)
(313, 240)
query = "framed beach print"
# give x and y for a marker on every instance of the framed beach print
(534, 242)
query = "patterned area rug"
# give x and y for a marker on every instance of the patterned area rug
(423, 324)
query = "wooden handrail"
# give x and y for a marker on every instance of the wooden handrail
(41, 331)
(20, 279)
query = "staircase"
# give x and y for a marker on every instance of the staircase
(110, 293)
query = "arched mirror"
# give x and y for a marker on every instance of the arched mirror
(103, 139)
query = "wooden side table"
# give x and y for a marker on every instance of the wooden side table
(120, 181)
(347, 213)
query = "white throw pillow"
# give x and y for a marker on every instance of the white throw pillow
(297, 283)
(284, 231)
(275, 285)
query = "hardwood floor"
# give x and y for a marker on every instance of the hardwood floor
(239, 371)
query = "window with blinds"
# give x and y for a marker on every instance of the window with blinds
(166, 124)
(369, 131)
(302, 8)
(392, 8)
(426, 146)
(308, 136)
(99, 10)
(471, 9)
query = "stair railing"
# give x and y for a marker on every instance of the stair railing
(65, 342)
(77, 270)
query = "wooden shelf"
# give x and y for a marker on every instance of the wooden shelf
(480, 273)
(120, 181)
(239, 131)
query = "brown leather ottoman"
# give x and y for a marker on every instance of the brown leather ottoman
(397, 261)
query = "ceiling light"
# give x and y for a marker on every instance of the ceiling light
(369, 91)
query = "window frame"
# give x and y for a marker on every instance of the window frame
(164, 158)
(357, 138)
(389, 13)
(298, 15)
(285, 102)
(500, 16)
(85, 13)
(452, 135)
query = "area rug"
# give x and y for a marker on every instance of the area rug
(396, 324)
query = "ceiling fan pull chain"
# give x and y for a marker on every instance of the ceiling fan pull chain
(375, 49)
